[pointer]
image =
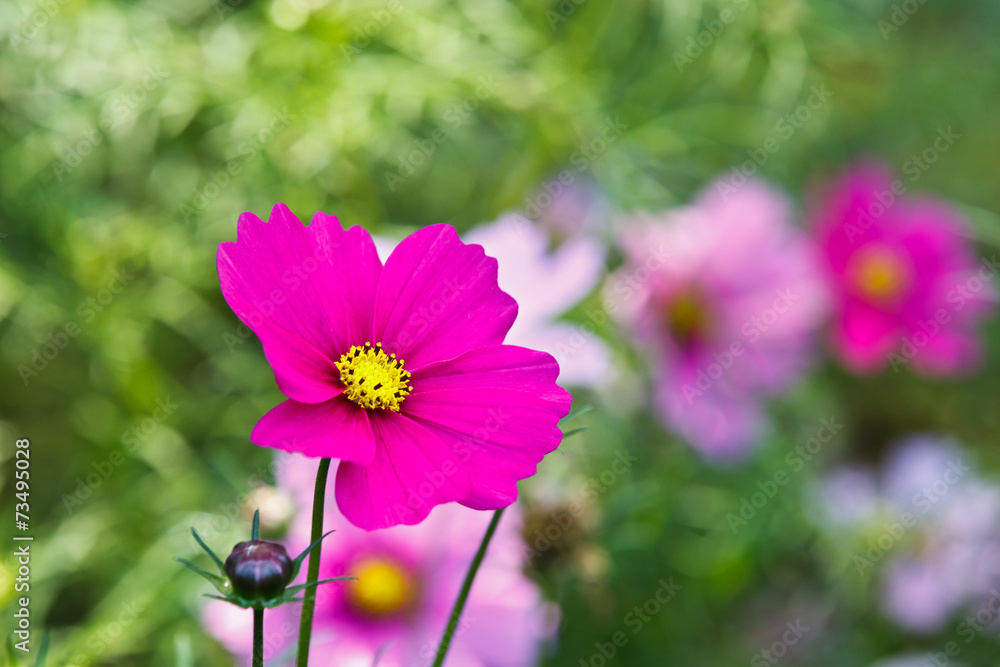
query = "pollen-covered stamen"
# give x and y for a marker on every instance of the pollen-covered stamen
(372, 378)
(879, 273)
(384, 587)
(687, 318)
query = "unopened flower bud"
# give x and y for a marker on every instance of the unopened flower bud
(259, 569)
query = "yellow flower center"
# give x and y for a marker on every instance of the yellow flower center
(687, 318)
(879, 274)
(383, 588)
(372, 378)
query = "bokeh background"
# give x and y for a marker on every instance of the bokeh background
(132, 135)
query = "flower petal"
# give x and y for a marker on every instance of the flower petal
(412, 472)
(498, 408)
(333, 429)
(522, 249)
(944, 352)
(723, 425)
(865, 336)
(438, 297)
(584, 358)
(307, 292)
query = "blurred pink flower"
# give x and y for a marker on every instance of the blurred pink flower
(725, 296)
(546, 284)
(568, 210)
(408, 581)
(936, 524)
(446, 404)
(906, 284)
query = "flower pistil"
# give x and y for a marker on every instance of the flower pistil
(383, 588)
(372, 378)
(880, 274)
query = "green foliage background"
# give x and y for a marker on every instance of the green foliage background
(116, 118)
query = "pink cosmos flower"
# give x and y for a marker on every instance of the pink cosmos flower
(409, 578)
(907, 286)
(398, 370)
(725, 296)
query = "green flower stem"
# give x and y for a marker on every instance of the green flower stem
(463, 595)
(258, 637)
(309, 596)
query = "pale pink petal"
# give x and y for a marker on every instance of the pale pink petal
(307, 292)
(412, 472)
(231, 626)
(584, 358)
(438, 298)
(516, 620)
(333, 429)
(568, 273)
(498, 408)
(722, 424)
(917, 597)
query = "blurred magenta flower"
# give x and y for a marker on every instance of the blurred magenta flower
(408, 580)
(398, 370)
(930, 526)
(906, 284)
(725, 296)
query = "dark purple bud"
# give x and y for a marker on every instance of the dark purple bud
(259, 570)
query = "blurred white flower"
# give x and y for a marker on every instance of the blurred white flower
(934, 522)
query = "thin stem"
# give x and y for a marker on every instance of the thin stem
(309, 597)
(258, 637)
(463, 595)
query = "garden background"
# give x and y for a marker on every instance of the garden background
(133, 134)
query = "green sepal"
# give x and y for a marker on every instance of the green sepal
(255, 529)
(562, 423)
(243, 604)
(576, 413)
(297, 563)
(221, 583)
(222, 567)
(575, 431)
(295, 590)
